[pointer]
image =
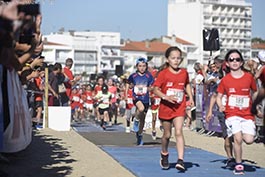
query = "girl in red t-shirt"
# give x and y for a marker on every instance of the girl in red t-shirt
(170, 85)
(237, 85)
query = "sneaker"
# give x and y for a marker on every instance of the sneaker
(154, 135)
(180, 165)
(38, 127)
(127, 130)
(230, 163)
(110, 124)
(140, 141)
(104, 125)
(164, 162)
(239, 169)
(135, 125)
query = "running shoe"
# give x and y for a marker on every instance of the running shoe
(239, 169)
(140, 141)
(164, 162)
(135, 125)
(127, 130)
(180, 165)
(38, 127)
(104, 125)
(154, 135)
(230, 163)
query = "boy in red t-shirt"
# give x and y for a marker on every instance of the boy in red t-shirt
(170, 85)
(237, 86)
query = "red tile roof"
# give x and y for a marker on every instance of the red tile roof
(157, 47)
(258, 45)
(53, 43)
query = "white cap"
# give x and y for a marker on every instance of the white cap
(261, 55)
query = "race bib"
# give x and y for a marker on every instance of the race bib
(179, 94)
(76, 99)
(157, 101)
(238, 101)
(105, 100)
(129, 101)
(140, 90)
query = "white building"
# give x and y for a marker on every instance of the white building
(232, 18)
(92, 52)
(155, 51)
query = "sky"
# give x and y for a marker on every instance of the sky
(134, 19)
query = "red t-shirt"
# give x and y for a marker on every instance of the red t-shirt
(38, 97)
(89, 99)
(129, 102)
(113, 91)
(68, 84)
(172, 84)
(97, 89)
(238, 91)
(75, 100)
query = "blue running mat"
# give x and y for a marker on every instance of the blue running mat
(144, 162)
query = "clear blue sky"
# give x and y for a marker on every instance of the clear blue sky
(134, 19)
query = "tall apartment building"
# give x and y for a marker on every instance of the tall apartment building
(92, 52)
(232, 18)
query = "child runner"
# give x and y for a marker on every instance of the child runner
(130, 110)
(170, 85)
(141, 82)
(237, 85)
(103, 97)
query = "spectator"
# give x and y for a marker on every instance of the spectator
(70, 79)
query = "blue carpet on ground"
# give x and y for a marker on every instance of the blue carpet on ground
(92, 127)
(144, 162)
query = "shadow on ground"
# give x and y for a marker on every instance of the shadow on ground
(44, 157)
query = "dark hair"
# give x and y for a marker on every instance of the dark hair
(68, 61)
(101, 77)
(167, 53)
(240, 55)
(233, 51)
(57, 66)
(105, 88)
(170, 49)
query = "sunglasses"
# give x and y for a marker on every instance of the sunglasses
(234, 59)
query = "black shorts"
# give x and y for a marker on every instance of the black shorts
(38, 104)
(146, 105)
(101, 111)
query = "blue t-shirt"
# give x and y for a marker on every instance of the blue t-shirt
(140, 86)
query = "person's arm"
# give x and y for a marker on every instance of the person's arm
(219, 102)
(210, 110)
(189, 93)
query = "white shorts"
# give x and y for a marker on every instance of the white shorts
(88, 106)
(237, 124)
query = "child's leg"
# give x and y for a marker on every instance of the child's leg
(140, 115)
(238, 139)
(180, 143)
(106, 116)
(38, 116)
(166, 136)
(188, 118)
(154, 117)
